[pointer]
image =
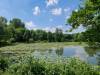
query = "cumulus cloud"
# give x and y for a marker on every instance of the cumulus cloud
(78, 30)
(51, 2)
(56, 11)
(30, 25)
(36, 10)
(66, 10)
(67, 17)
(60, 26)
(52, 29)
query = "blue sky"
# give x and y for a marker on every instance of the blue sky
(40, 14)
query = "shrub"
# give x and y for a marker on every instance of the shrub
(3, 64)
(71, 66)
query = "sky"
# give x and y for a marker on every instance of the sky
(40, 14)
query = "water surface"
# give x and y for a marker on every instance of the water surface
(89, 55)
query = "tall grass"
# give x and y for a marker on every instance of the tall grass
(32, 66)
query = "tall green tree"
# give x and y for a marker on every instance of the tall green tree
(20, 32)
(49, 36)
(3, 25)
(27, 35)
(17, 23)
(58, 35)
(88, 15)
(16, 29)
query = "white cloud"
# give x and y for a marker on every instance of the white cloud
(66, 10)
(76, 10)
(36, 10)
(79, 52)
(78, 30)
(56, 11)
(47, 29)
(52, 29)
(60, 26)
(30, 25)
(68, 16)
(51, 2)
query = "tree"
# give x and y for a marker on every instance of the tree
(3, 25)
(27, 36)
(88, 16)
(11, 32)
(59, 51)
(20, 34)
(69, 37)
(17, 23)
(58, 35)
(16, 29)
(33, 35)
(49, 36)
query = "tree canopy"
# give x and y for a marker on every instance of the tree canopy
(88, 15)
(15, 31)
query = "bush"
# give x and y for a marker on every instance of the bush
(37, 69)
(3, 64)
(71, 66)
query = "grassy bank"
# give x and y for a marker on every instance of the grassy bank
(32, 66)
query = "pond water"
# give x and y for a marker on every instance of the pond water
(89, 55)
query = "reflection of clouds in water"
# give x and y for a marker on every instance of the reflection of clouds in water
(79, 52)
(69, 51)
(44, 53)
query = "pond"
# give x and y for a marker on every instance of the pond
(89, 55)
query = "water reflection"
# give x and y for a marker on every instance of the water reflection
(98, 59)
(59, 51)
(91, 51)
(89, 55)
(50, 51)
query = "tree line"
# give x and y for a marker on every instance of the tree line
(15, 31)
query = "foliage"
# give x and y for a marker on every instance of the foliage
(69, 66)
(3, 64)
(3, 25)
(15, 31)
(17, 23)
(88, 15)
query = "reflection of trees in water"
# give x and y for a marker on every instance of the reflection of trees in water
(93, 52)
(50, 51)
(42, 51)
(98, 58)
(59, 51)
